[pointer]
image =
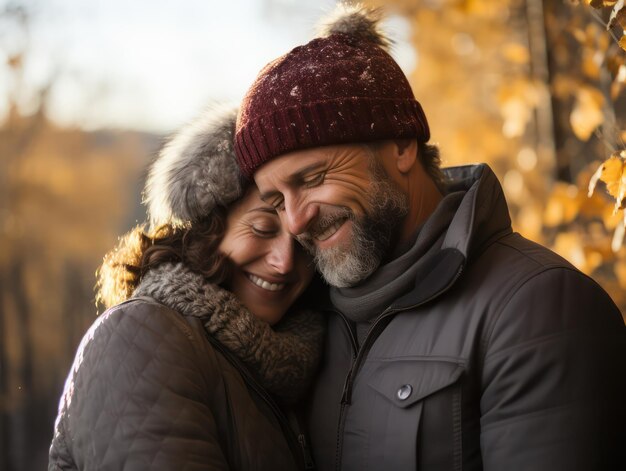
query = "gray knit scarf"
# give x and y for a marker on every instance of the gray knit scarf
(365, 302)
(283, 358)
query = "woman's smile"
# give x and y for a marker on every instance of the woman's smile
(271, 269)
(265, 284)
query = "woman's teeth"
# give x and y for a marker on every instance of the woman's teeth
(329, 231)
(266, 284)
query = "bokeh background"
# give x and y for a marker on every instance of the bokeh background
(89, 89)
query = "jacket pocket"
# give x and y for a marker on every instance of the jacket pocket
(407, 390)
(405, 382)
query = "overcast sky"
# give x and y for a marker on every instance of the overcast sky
(153, 64)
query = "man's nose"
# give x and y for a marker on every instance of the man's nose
(281, 254)
(298, 217)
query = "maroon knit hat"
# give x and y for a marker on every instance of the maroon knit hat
(337, 89)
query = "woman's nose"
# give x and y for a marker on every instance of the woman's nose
(281, 254)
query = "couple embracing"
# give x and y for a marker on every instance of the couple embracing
(433, 338)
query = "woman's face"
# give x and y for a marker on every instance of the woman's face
(271, 269)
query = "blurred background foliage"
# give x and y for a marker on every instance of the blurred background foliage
(534, 88)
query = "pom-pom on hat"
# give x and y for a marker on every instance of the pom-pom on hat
(195, 171)
(339, 88)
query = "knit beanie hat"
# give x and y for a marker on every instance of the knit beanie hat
(195, 171)
(340, 88)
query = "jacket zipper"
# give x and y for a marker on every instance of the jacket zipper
(342, 419)
(306, 452)
(298, 446)
(372, 334)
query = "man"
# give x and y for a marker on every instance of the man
(453, 342)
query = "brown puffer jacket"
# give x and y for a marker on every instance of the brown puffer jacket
(152, 388)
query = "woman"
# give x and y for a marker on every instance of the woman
(179, 374)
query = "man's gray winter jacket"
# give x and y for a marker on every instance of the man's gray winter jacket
(502, 357)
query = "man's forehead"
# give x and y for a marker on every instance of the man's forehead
(288, 166)
(295, 164)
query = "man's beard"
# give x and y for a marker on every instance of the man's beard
(347, 264)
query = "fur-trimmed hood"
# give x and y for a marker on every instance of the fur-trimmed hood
(195, 171)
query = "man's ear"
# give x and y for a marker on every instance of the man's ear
(407, 154)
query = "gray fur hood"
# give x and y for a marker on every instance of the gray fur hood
(195, 170)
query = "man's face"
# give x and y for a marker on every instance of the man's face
(339, 203)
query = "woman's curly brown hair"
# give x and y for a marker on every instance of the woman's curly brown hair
(195, 245)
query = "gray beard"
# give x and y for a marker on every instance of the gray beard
(347, 265)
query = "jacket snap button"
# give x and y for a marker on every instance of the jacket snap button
(404, 392)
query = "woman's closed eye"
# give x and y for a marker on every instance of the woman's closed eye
(264, 229)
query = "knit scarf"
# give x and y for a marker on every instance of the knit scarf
(363, 303)
(283, 358)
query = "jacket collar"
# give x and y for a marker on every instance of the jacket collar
(482, 216)
(483, 212)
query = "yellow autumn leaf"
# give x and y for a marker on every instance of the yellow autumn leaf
(622, 42)
(610, 218)
(580, 35)
(516, 114)
(516, 53)
(478, 8)
(597, 206)
(591, 63)
(563, 205)
(614, 62)
(595, 178)
(613, 173)
(618, 236)
(619, 81)
(601, 3)
(587, 114)
(571, 246)
(591, 37)
(517, 100)
(615, 179)
(603, 41)
(597, 241)
(529, 222)
(594, 260)
(618, 15)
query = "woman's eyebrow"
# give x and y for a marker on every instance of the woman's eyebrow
(263, 209)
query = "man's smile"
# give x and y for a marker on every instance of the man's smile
(330, 230)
